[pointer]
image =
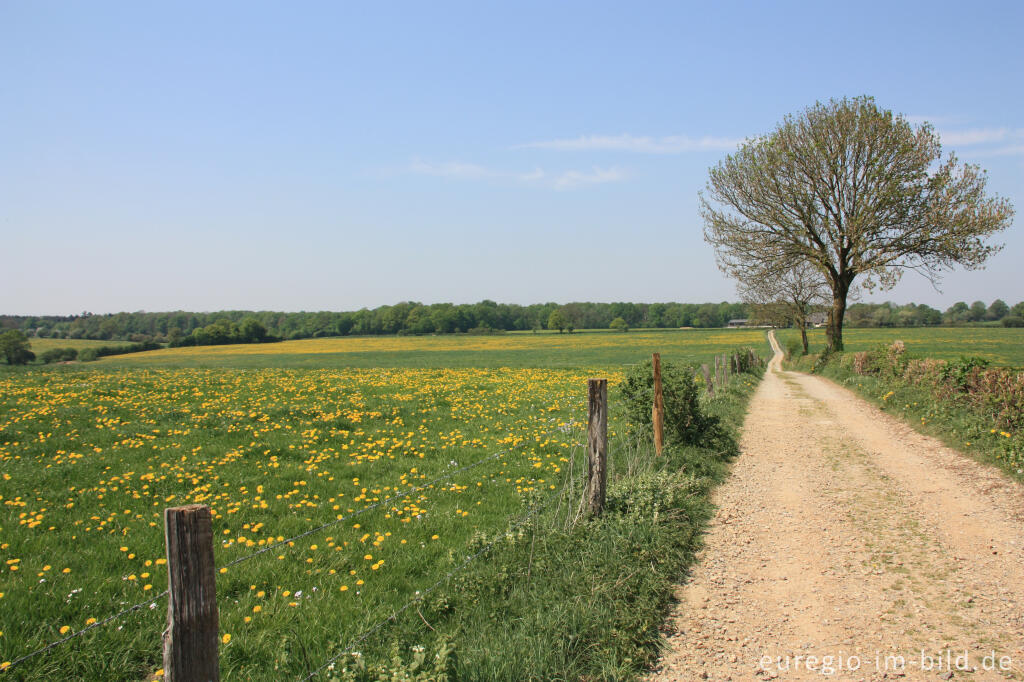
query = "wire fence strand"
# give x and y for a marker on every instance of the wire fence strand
(100, 623)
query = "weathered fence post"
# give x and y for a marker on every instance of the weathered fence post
(190, 641)
(597, 444)
(658, 408)
(710, 387)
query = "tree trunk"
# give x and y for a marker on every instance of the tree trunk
(803, 335)
(834, 332)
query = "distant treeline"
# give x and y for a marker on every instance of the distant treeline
(236, 326)
(911, 315)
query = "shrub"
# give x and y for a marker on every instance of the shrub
(794, 349)
(619, 324)
(58, 355)
(823, 360)
(1013, 321)
(88, 355)
(957, 374)
(745, 360)
(685, 421)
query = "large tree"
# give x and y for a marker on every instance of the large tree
(856, 192)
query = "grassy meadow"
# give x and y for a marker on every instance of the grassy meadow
(282, 438)
(597, 349)
(1001, 346)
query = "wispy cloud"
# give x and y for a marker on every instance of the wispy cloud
(992, 141)
(1006, 150)
(975, 136)
(451, 169)
(986, 141)
(596, 176)
(672, 144)
(571, 179)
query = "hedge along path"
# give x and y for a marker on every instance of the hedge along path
(844, 533)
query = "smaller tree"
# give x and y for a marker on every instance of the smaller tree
(792, 294)
(619, 324)
(556, 320)
(14, 348)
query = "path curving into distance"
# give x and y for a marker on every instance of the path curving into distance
(844, 533)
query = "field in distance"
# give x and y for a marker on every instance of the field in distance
(42, 345)
(1001, 346)
(580, 349)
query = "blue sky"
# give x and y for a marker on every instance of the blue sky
(306, 156)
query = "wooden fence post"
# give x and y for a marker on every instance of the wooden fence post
(658, 408)
(708, 386)
(597, 444)
(190, 641)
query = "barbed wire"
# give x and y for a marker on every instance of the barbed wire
(151, 603)
(384, 502)
(420, 594)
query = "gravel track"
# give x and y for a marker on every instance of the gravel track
(844, 533)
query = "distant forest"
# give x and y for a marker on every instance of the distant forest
(185, 328)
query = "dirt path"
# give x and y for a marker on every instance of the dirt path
(843, 533)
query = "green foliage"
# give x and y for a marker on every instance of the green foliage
(957, 373)
(88, 355)
(59, 355)
(794, 349)
(618, 324)
(439, 668)
(685, 420)
(14, 348)
(1013, 321)
(224, 331)
(556, 320)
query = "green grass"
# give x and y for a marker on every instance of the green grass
(1001, 346)
(92, 453)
